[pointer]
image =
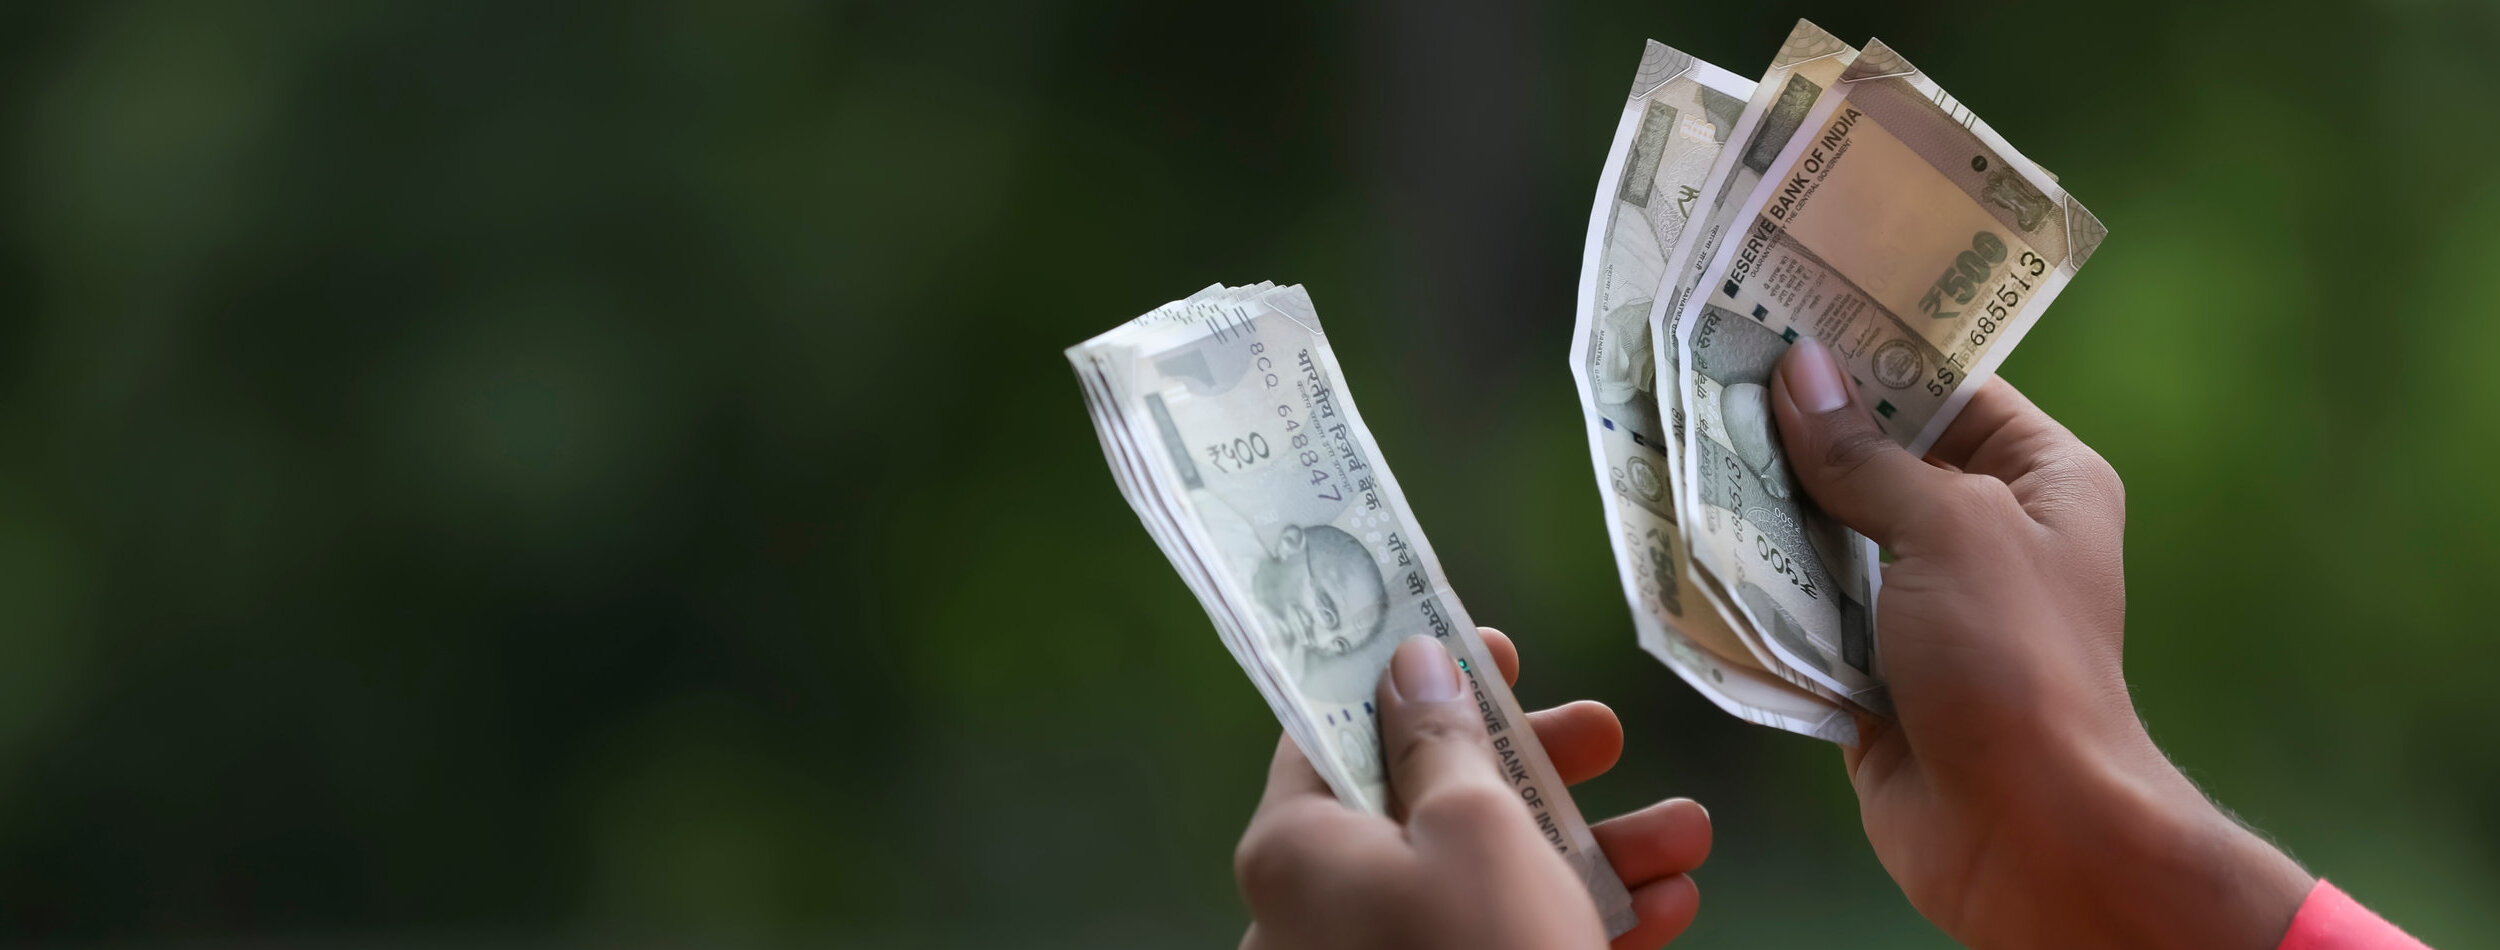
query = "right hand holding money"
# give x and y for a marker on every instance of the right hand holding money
(1457, 863)
(2018, 801)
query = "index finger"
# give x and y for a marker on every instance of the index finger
(2059, 480)
(2000, 433)
(1505, 653)
(1290, 776)
(1295, 798)
(1300, 840)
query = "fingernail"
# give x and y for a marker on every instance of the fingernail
(1813, 378)
(1705, 809)
(1422, 672)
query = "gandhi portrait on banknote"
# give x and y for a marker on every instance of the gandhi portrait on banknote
(1746, 407)
(1323, 592)
(1794, 570)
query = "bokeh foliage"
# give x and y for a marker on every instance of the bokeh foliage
(603, 472)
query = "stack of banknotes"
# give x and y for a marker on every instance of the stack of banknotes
(1229, 428)
(1845, 197)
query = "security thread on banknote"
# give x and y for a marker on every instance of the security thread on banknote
(1229, 428)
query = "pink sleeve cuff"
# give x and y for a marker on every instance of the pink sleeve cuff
(2328, 920)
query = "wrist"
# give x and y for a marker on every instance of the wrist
(2159, 865)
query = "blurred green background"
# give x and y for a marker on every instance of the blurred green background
(603, 474)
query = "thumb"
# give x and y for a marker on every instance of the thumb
(1852, 469)
(1430, 729)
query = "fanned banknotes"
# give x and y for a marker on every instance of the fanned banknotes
(1808, 63)
(1676, 123)
(1228, 427)
(1852, 200)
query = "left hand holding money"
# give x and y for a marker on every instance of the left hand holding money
(1459, 863)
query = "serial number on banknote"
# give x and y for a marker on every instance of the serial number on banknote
(1245, 451)
(1773, 557)
(1961, 281)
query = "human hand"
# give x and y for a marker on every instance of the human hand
(2018, 801)
(1458, 863)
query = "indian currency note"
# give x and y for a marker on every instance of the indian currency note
(1673, 126)
(1909, 237)
(1916, 244)
(1693, 638)
(1675, 122)
(1162, 518)
(1809, 61)
(1269, 476)
(1801, 579)
(1129, 472)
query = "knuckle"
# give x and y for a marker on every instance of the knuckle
(1475, 805)
(2106, 477)
(1971, 505)
(2078, 480)
(1265, 863)
(1439, 728)
(1852, 448)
